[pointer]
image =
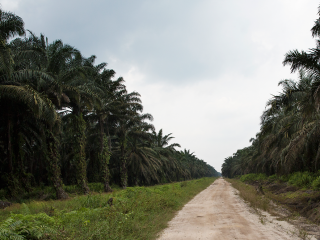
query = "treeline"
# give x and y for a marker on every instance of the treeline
(289, 137)
(66, 120)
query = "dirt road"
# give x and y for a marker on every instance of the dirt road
(219, 213)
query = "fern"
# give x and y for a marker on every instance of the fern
(8, 230)
(20, 226)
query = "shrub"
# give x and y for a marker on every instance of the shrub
(316, 183)
(302, 179)
(273, 177)
(253, 177)
(96, 187)
(285, 178)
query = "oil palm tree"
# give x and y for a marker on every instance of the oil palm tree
(129, 117)
(143, 162)
(10, 26)
(63, 80)
(15, 92)
(103, 78)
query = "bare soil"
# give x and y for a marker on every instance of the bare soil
(219, 213)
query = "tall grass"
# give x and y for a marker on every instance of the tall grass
(136, 213)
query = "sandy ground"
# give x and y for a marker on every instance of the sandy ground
(219, 213)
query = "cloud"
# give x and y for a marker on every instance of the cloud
(11, 5)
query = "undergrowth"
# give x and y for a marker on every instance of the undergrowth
(253, 177)
(298, 179)
(48, 192)
(136, 213)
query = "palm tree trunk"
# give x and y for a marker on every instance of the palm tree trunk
(20, 170)
(12, 181)
(109, 139)
(104, 157)
(101, 134)
(79, 127)
(54, 168)
(123, 168)
(9, 145)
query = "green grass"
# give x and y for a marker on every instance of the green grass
(137, 213)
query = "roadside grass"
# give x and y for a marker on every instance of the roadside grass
(249, 194)
(136, 213)
(293, 199)
(258, 201)
(298, 191)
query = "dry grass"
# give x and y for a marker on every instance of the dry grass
(250, 195)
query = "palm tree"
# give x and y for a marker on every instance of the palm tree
(143, 163)
(163, 141)
(60, 113)
(288, 138)
(10, 26)
(171, 166)
(17, 88)
(108, 98)
(129, 117)
(63, 80)
(308, 61)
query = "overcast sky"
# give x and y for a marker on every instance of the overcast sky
(205, 69)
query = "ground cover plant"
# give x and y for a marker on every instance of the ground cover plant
(135, 213)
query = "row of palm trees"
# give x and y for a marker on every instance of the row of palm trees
(66, 120)
(288, 140)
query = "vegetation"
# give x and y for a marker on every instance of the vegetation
(66, 120)
(135, 213)
(295, 195)
(288, 140)
(307, 180)
(282, 163)
(249, 194)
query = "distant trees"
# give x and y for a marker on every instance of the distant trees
(288, 140)
(66, 120)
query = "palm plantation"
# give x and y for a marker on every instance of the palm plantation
(67, 121)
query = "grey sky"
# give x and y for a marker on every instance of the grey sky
(205, 69)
